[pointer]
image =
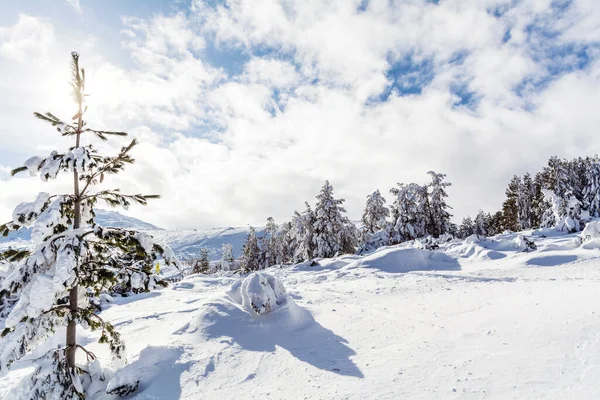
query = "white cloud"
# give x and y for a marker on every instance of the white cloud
(75, 4)
(26, 41)
(231, 150)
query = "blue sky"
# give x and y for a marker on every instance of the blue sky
(250, 106)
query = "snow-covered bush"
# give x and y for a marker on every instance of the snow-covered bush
(591, 231)
(525, 244)
(262, 293)
(373, 241)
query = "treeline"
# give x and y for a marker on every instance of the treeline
(564, 195)
(324, 231)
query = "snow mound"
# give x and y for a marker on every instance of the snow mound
(591, 231)
(262, 293)
(401, 260)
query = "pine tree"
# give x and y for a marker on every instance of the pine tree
(410, 207)
(52, 285)
(251, 259)
(481, 224)
(525, 194)
(301, 235)
(270, 244)
(202, 265)
(375, 213)
(591, 192)
(227, 259)
(331, 227)
(439, 217)
(510, 207)
(286, 243)
(495, 223)
(466, 228)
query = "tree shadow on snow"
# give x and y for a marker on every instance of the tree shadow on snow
(158, 370)
(551, 261)
(291, 327)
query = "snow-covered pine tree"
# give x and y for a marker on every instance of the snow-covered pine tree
(510, 207)
(375, 213)
(331, 227)
(301, 235)
(591, 192)
(49, 286)
(227, 259)
(538, 204)
(251, 259)
(286, 243)
(481, 224)
(270, 244)
(410, 206)
(466, 228)
(525, 194)
(202, 265)
(439, 216)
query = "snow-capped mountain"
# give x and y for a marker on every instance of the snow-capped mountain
(103, 218)
(185, 243)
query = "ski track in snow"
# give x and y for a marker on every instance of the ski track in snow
(399, 323)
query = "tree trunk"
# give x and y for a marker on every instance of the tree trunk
(73, 294)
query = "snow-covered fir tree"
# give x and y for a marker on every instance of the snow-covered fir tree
(525, 195)
(251, 259)
(286, 243)
(591, 192)
(375, 215)
(301, 235)
(410, 208)
(481, 224)
(439, 216)
(270, 244)
(227, 262)
(52, 285)
(466, 228)
(332, 231)
(202, 265)
(510, 207)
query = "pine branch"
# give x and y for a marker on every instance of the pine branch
(18, 170)
(12, 255)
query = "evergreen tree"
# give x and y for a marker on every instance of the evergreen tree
(538, 204)
(481, 224)
(525, 195)
(251, 259)
(301, 235)
(439, 217)
(286, 243)
(271, 244)
(510, 207)
(410, 207)
(202, 265)
(331, 227)
(52, 285)
(227, 259)
(495, 224)
(466, 228)
(375, 214)
(591, 192)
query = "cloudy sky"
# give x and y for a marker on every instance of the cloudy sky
(245, 107)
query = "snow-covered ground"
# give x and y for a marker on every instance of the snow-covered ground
(476, 320)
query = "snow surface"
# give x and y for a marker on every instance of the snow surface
(478, 319)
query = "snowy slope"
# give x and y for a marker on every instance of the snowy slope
(189, 242)
(478, 320)
(184, 243)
